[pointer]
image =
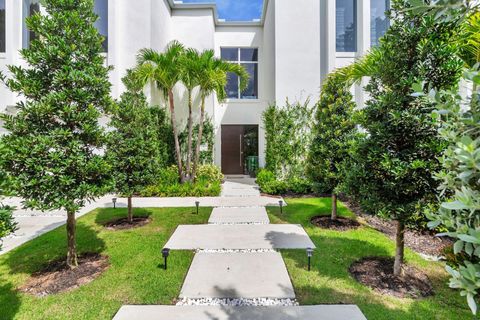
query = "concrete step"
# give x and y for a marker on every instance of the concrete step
(238, 275)
(239, 215)
(321, 312)
(239, 236)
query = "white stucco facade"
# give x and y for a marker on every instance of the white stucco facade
(295, 42)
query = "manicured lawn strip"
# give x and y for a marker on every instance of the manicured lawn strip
(329, 282)
(135, 275)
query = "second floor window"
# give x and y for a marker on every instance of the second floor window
(30, 7)
(379, 22)
(101, 9)
(346, 25)
(2, 26)
(248, 58)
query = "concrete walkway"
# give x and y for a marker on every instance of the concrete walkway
(236, 264)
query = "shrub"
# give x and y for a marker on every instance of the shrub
(264, 176)
(299, 186)
(209, 173)
(275, 187)
(7, 222)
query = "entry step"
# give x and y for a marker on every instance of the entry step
(239, 236)
(321, 312)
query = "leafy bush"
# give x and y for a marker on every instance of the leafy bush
(299, 186)
(264, 176)
(275, 187)
(288, 135)
(270, 185)
(209, 173)
(208, 184)
(7, 222)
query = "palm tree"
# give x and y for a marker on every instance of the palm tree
(190, 70)
(163, 69)
(212, 78)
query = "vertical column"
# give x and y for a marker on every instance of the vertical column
(328, 36)
(363, 45)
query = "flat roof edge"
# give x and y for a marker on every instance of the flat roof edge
(219, 22)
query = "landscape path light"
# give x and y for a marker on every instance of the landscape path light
(280, 203)
(165, 254)
(197, 204)
(309, 255)
(114, 201)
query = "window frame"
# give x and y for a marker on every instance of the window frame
(240, 62)
(4, 51)
(356, 25)
(27, 13)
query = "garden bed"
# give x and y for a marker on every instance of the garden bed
(124, 224)
(57, 277)
(377, 273)
(339, 224)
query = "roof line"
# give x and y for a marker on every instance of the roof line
(178, 5)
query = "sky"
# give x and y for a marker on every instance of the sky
(236, 10)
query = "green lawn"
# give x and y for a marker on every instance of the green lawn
(135, 275)
(329, 282)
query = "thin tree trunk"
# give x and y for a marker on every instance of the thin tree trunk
(175, 136)
(190, 133)
(334, 206)
(400, 245)
(72, 261)
(130, 213)
(199, 140)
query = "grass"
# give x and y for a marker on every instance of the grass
(135, 275)
(329, 282)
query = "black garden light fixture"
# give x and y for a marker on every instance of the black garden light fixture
(165, 253)
(309, 255)
(114, 201)
(280, 203)
(197, 204)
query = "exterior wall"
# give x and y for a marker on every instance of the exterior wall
(296, 42)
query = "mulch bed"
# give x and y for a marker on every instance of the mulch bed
(422, 242)
(377, 273)
(57, 277)
(340, 224)
(124, 224)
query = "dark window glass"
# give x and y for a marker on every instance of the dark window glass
(346, 25)
(101, 9)
(232, 86)
(2, 26)
(229, 54)
(252, 90)
(379, 21)
(30, 7)
(248, 54)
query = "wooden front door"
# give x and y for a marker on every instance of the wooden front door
(232, 149)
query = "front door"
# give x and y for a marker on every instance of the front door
(238, 143)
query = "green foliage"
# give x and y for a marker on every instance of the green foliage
(208, 141)
(265, 176)
(7, 222)
(51, 148)
(331, 134)
(133, 148)
(288, 136)
(164, 131)
(270, 185)
(208, 184)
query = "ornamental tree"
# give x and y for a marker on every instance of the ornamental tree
(134, 149)
(53, 148)
(392, 165)
(331, 135)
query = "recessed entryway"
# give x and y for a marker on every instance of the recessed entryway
(239, 149)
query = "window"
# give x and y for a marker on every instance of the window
(346, 25)
(2, 26)
(101, 9)
(248, 58)
(379, 22)
(30, 7)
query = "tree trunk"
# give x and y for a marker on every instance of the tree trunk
(334, 206)
(199, 140)
(175, 136)
(130, 213)
(400, 245)
(190, 133)
(72, 261)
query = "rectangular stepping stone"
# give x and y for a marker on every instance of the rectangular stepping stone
(322, 312)
(237, 275)
(239, 236)
(239, 215)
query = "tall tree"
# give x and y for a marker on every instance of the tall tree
(133, 148)
(52, 148)
(392, 165)
(190, 70)
(332, 131)
(212, 78)
(163, 69)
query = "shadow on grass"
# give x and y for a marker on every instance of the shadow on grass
(106, 215)
(35, 255)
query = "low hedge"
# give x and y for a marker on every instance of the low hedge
(269, 184)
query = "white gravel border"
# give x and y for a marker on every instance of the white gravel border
(237, 302)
